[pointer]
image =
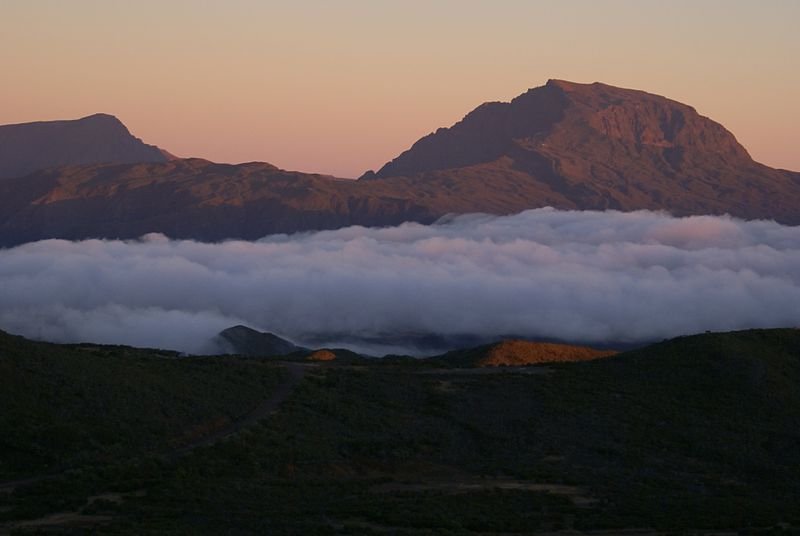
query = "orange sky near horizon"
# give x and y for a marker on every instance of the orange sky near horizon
(342, 87)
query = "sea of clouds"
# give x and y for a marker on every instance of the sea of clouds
(586, 277)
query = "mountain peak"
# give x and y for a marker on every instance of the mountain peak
(100, 116)
(569, 86)
(566, 85)
(561, 120)
(94, 139)
(102, 119)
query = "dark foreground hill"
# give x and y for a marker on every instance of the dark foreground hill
(246, 341)
(566, 145)
(694, 435)
(96, 139)
(71, 405)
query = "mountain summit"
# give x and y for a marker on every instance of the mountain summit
(595, 146)
(567, 123)
(96, 139)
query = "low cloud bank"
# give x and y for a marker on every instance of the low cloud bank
(588, 277)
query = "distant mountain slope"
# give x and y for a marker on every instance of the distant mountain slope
(594, 146)
(96, 139)
(583, 118)
(565, 145)
(192, 198)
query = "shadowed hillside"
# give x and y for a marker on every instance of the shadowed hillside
(693, 435)
(246, 341)
(66, 406)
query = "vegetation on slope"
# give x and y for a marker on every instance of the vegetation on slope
(69, 406)
(694, 434)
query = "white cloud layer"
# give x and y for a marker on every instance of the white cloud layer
(588, 277)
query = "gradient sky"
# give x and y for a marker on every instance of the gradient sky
(342, 87)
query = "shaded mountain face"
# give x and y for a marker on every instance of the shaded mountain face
(246, 341)
(484, 135)
(96, 139)
(193, 199)
(565, 145)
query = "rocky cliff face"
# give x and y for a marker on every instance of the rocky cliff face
(96, 139)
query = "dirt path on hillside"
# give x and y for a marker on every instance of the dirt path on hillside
(296, 372)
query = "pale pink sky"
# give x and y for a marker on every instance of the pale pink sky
(342, 87)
